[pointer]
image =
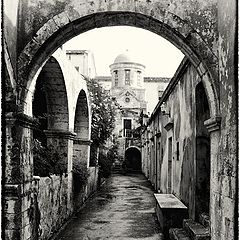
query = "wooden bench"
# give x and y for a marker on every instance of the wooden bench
(170, 211)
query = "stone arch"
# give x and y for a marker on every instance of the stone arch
(133, 159)
(51, 79)
(82, 129)
(62, 28)
(81, 121)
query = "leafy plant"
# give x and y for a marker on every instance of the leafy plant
(103, 112)
(105, 164)
(80, 175)
(48, 160)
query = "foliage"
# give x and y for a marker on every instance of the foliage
(106, 161)
(48, 160)
(113, 152)
(80, 175)
(105, 164)
(103, 112)
(93, 155)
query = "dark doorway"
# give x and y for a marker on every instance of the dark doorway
(133, 159)
(202, 194)
(170, 165)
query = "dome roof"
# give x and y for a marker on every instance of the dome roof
(125, 57)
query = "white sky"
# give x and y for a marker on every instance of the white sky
(159, 56)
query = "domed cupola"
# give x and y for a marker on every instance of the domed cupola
(126, 71)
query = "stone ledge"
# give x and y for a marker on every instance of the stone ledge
(178, 234)
(169, 124)
(81, 141)
(60, 134)
(213, 124)
(21, 119)
(170, 212)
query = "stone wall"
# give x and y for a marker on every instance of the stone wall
(52, 199)
(80, 196)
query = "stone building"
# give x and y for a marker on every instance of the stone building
(204, 30)
(83, 61)
(127, 86)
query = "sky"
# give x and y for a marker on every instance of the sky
(160, 57)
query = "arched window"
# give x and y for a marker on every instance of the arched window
(127, 77)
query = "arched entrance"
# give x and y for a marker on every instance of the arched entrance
(133, 159)
(202, 186)
(175, 30)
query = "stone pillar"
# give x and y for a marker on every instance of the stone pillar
(213, 126)
(64, 141)
(18, 175)
(82, 150)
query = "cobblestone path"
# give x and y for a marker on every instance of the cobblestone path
(122, 209)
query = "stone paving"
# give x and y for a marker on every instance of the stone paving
(122, 209)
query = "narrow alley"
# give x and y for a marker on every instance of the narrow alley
(122, 209)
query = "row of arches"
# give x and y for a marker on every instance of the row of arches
(51, 106)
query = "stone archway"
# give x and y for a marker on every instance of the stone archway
(179, 32)
(177, 25)
(50, 105)
(133, 159)
(81, 148)
(51, 81)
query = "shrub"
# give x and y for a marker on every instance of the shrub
(80, 175)
(48, 160)
(105, 165)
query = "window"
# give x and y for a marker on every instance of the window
(127, 126)
(139, 78)
(116, 77)
(127, 99)
(127, 77)
(69, 57)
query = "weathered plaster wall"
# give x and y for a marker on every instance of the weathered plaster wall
(225, 170)
(52, 203)
(180, 104)
(84, 192)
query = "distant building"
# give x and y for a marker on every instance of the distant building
(83, 61)
(135, 94)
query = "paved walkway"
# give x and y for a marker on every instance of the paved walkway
(122, 209)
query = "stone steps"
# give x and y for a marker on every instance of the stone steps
(196, 231)
(191, 230)
(204, 219)
(178, 234)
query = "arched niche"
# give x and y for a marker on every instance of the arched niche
(202, 165)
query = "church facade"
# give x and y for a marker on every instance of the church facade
(129, 87)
